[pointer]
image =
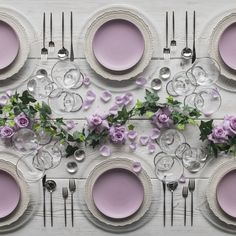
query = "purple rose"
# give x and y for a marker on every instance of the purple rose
(230, 125)
(117, 134)
(22, 121)
(97, 123)
(162, 118)
(219, 134)
(6, 132)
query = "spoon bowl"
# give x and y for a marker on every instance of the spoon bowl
(63, 53)
(187, 53)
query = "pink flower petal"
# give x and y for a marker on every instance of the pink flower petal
(106, 96)
(151, 147)
(105, 151)
(70, 124)
(119, 100)
(90, 96)
(144, 140)
(87, 104)
(141, 81)
(137, 167)
(133, 146)
(182, 179)
(3, 100)
(155, 134)
(113, 110)
(86, 80)
(128, 98)
(9, 93)
(132, 135)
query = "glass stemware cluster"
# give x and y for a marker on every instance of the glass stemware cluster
(38, 153)
(60, 89)
(197, 85)
(176, 155)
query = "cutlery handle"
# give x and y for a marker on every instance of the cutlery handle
(72, 209)
(184, 211)
(186, 28)
(44, 207)
(192, 209)
(71, 37)
(50, 26)
(172, 208)
(44, 26)
(173, 24)
(51, 207)
(164, 209)
(65, 215)
(62, 25)
(167, 29)
(194, 36)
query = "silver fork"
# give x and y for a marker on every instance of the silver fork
(71, 38)
(51, 44)
(166, 50)
(191, 187)
(72, 188)
(185, 195)
(44, 51)
(65, 196)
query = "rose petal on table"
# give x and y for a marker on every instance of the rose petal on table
(132, 134)
(105, 151)
(128, 98)
(119, 100)
(70, 124)
(106, 96)
(155, 134)
(144, 140)
(90, 96)
(86, 81)
(137, 167)
(3, 100)
(133, 146)
(182, 179)
(113, 110)
(151, 148)
(141, 81)
(9, 93)
(87, 104)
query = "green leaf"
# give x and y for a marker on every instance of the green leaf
(70, 150)
(205, 129)
(149, 114)
(46, 109)
(27, 98)
(130, 127)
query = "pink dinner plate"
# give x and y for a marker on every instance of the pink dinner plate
(9, 194)
(9, 45)
(226, 193)
(118, 193)
(227, 46)
(118, 45)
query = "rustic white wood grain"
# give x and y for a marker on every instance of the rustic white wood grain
(207, 13)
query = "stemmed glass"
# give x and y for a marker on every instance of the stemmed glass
(39, 85)
(170, 140)
(64, 101)
(66, 74)
(205, 71)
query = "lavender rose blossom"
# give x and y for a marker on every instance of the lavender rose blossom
(219, 134)
(230, 125)
(6, 132)
(97, 123)
(117, 134)
(22, 121)
(162, 118)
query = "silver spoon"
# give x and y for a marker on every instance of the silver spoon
(44, 51)
(165, 73)
(63, 52)
(172, 187)
(185, 195)
(173, 42)
(72, 188)
(51, 44)
(156, 84)
(186, 52)
(51, 187)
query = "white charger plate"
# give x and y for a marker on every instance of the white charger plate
(112, 164)
(125, 13)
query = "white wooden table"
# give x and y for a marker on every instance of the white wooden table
(206, 12)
